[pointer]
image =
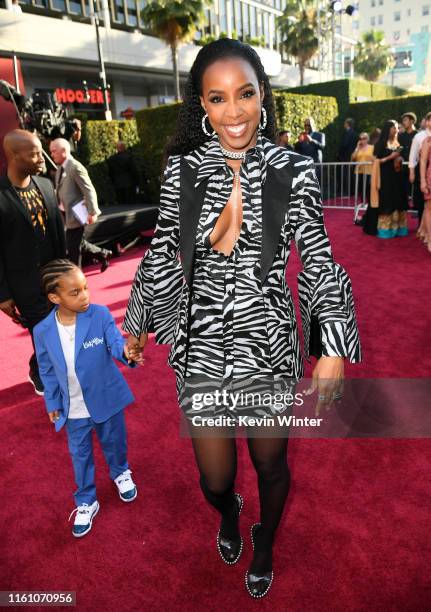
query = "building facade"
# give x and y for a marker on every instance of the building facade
(407, 28)
(55, 42)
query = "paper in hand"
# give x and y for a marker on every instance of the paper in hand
(80, 212)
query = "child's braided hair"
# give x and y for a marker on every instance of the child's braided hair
(53, 271)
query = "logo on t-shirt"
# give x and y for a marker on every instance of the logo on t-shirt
(92, 343)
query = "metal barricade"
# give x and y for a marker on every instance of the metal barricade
(344, 187)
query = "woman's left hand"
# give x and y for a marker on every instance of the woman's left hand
(328, 379)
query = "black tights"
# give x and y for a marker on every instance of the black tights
(217, 462)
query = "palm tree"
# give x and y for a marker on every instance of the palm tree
(298, 27)
(175, 22)
(373, 57)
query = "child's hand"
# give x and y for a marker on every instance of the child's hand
(133, 353)
(54, 416)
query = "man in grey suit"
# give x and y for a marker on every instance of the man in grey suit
(73, 185)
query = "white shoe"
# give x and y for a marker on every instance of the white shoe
(126, 487)
(84, 518)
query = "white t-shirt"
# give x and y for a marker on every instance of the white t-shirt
(77, 408)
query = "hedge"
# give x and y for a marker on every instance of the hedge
(156, 124)
(293, 109)
(348, 91)
(369, 115)
(98, 142)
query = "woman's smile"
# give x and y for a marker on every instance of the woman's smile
(236, 130)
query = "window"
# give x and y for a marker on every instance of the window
(397, 35)
(253, 31)
(409, 12)
(380, 20)
(245, 20)
(424, 28)
(397, 16)
(425, 10)
(223, 20)
(373, 3)
(238, 18)
(380, 2)
(408, 31)
(373, 21)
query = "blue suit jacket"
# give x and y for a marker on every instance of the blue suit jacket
(97, 341)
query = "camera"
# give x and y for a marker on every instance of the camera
(40, 113)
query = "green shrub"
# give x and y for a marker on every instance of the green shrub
(369, 115)
(347, 91)
(98, 142)
(293, 109)
(156, 125)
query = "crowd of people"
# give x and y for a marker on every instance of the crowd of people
(393, 167)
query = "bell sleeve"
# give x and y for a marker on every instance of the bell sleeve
(325, 292)
(158, 282)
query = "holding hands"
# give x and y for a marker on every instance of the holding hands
(134, 348)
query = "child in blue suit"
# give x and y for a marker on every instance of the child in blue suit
(84, 389)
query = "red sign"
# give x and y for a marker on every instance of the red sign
(69, 96)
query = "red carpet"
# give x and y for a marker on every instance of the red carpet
(355, 535)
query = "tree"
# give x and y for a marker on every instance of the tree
(373, 57)
(175, 22)
(298, 27)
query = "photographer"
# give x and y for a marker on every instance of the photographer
(311, 144)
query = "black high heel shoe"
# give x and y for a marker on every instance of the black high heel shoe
(230, 550)
(258, 585)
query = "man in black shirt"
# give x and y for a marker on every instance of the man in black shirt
(31, 235)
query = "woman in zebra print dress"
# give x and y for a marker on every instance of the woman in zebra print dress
(213, 284)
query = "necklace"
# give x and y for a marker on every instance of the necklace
(71, 335)
(233, 154)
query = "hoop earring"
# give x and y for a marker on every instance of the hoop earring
(204, 127)
(262, 126)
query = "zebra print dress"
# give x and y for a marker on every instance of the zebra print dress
(231, 324)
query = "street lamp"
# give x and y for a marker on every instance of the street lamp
(94, 15)
(336, 7)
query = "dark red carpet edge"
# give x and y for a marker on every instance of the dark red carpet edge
(355, 534)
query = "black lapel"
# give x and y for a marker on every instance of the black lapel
(275, 200)
(190, 206)
(10, 193)
(47, 194)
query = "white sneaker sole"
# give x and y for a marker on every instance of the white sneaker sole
(40, 393)
(80, 535)
(128, 500)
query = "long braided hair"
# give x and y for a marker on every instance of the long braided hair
(51, 273)
(188, 133)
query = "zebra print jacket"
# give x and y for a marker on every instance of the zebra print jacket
(288, 192)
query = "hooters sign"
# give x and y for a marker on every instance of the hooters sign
(69, 96)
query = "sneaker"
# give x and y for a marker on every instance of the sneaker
(35, 380)
(126, 487)
(84, 518)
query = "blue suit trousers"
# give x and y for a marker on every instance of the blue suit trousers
(113, 440)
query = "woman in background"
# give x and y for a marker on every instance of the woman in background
(392, 215)
(424, 231)
(364, 152)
